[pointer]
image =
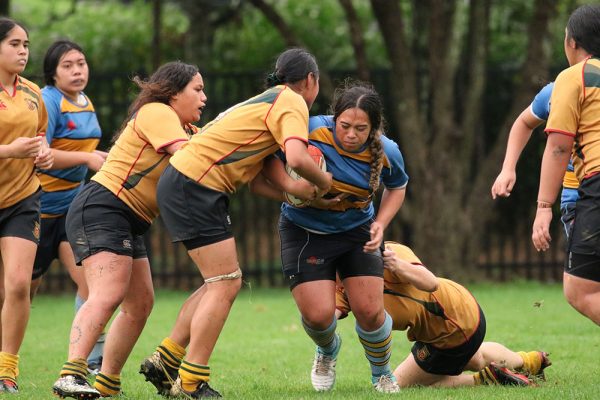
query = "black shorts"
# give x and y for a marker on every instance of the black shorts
(583, 247)
(586, 266)
(52, 234)
(452, 361)
(193, 214)
(308, 256)
(99, 221)
(22, 219)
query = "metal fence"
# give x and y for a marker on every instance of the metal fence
(506, 253)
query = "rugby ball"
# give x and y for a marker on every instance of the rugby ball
(319, 159)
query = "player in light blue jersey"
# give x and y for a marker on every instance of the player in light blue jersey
(73, 134)
(342, 233)
(533, 116)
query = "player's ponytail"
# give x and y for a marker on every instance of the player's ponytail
(293, 65)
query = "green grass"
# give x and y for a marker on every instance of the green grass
(263, 353)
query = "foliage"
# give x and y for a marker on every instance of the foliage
(116, 37)
(252, 42)
(263, 352)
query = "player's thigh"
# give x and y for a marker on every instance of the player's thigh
(18, 255)
(408, 373)
(66, 257)
(108, 276)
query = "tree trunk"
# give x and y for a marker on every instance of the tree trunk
(5, 8)
(449, 204)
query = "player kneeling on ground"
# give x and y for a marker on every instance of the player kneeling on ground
(448, 326)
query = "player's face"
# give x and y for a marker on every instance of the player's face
(188, 103)
(352, 129)
(14, 51)
(72, 73)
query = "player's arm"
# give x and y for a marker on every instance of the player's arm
(554, 163)
(272, 181)
(519, 135)
(173, 147)
(21, 147)
(261, 186)
(300, 161)
(67, 159)
(391, 201)
(415, 274)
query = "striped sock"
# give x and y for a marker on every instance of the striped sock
(378, 347)
(108, 384)
(192, 374)
(9, 365)
(77, 366)
(171, 353)
(484, 377)
(326, 339)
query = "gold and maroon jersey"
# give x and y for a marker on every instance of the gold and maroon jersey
(21, 115)
(230, 150)
(445, 318)
(575, 112)
(138, 157)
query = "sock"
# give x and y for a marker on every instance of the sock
(378, 347)
(171, 353)
(484, 377)
(108, 384)
(192, 374)
(327, 340)
(77, 366)
(532, 361)
(9, 364)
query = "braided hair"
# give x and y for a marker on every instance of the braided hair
(361, 95)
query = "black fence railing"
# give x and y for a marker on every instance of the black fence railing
(506, 252)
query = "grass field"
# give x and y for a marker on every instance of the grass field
(263, 352)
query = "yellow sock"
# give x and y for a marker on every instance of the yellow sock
(171, 352)
(77, 366)
(192, 374)
(532, 361)
(484, 377)
(9, 365)
(108, 384)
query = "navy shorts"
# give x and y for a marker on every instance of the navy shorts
(52, 234)
(452, 361)
(99, 221)
(193, 213)
(308, 256)
(22, 219)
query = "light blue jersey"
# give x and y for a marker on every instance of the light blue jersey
(71, 127)
(351, 172)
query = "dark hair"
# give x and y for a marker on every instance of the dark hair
(7, 25)
(168, 80)
(584, 28)
(361, 95)
(292, 66)
(53, 56)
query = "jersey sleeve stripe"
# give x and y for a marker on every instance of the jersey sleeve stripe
(552, 130)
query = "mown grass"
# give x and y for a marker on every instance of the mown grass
(263, 353)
